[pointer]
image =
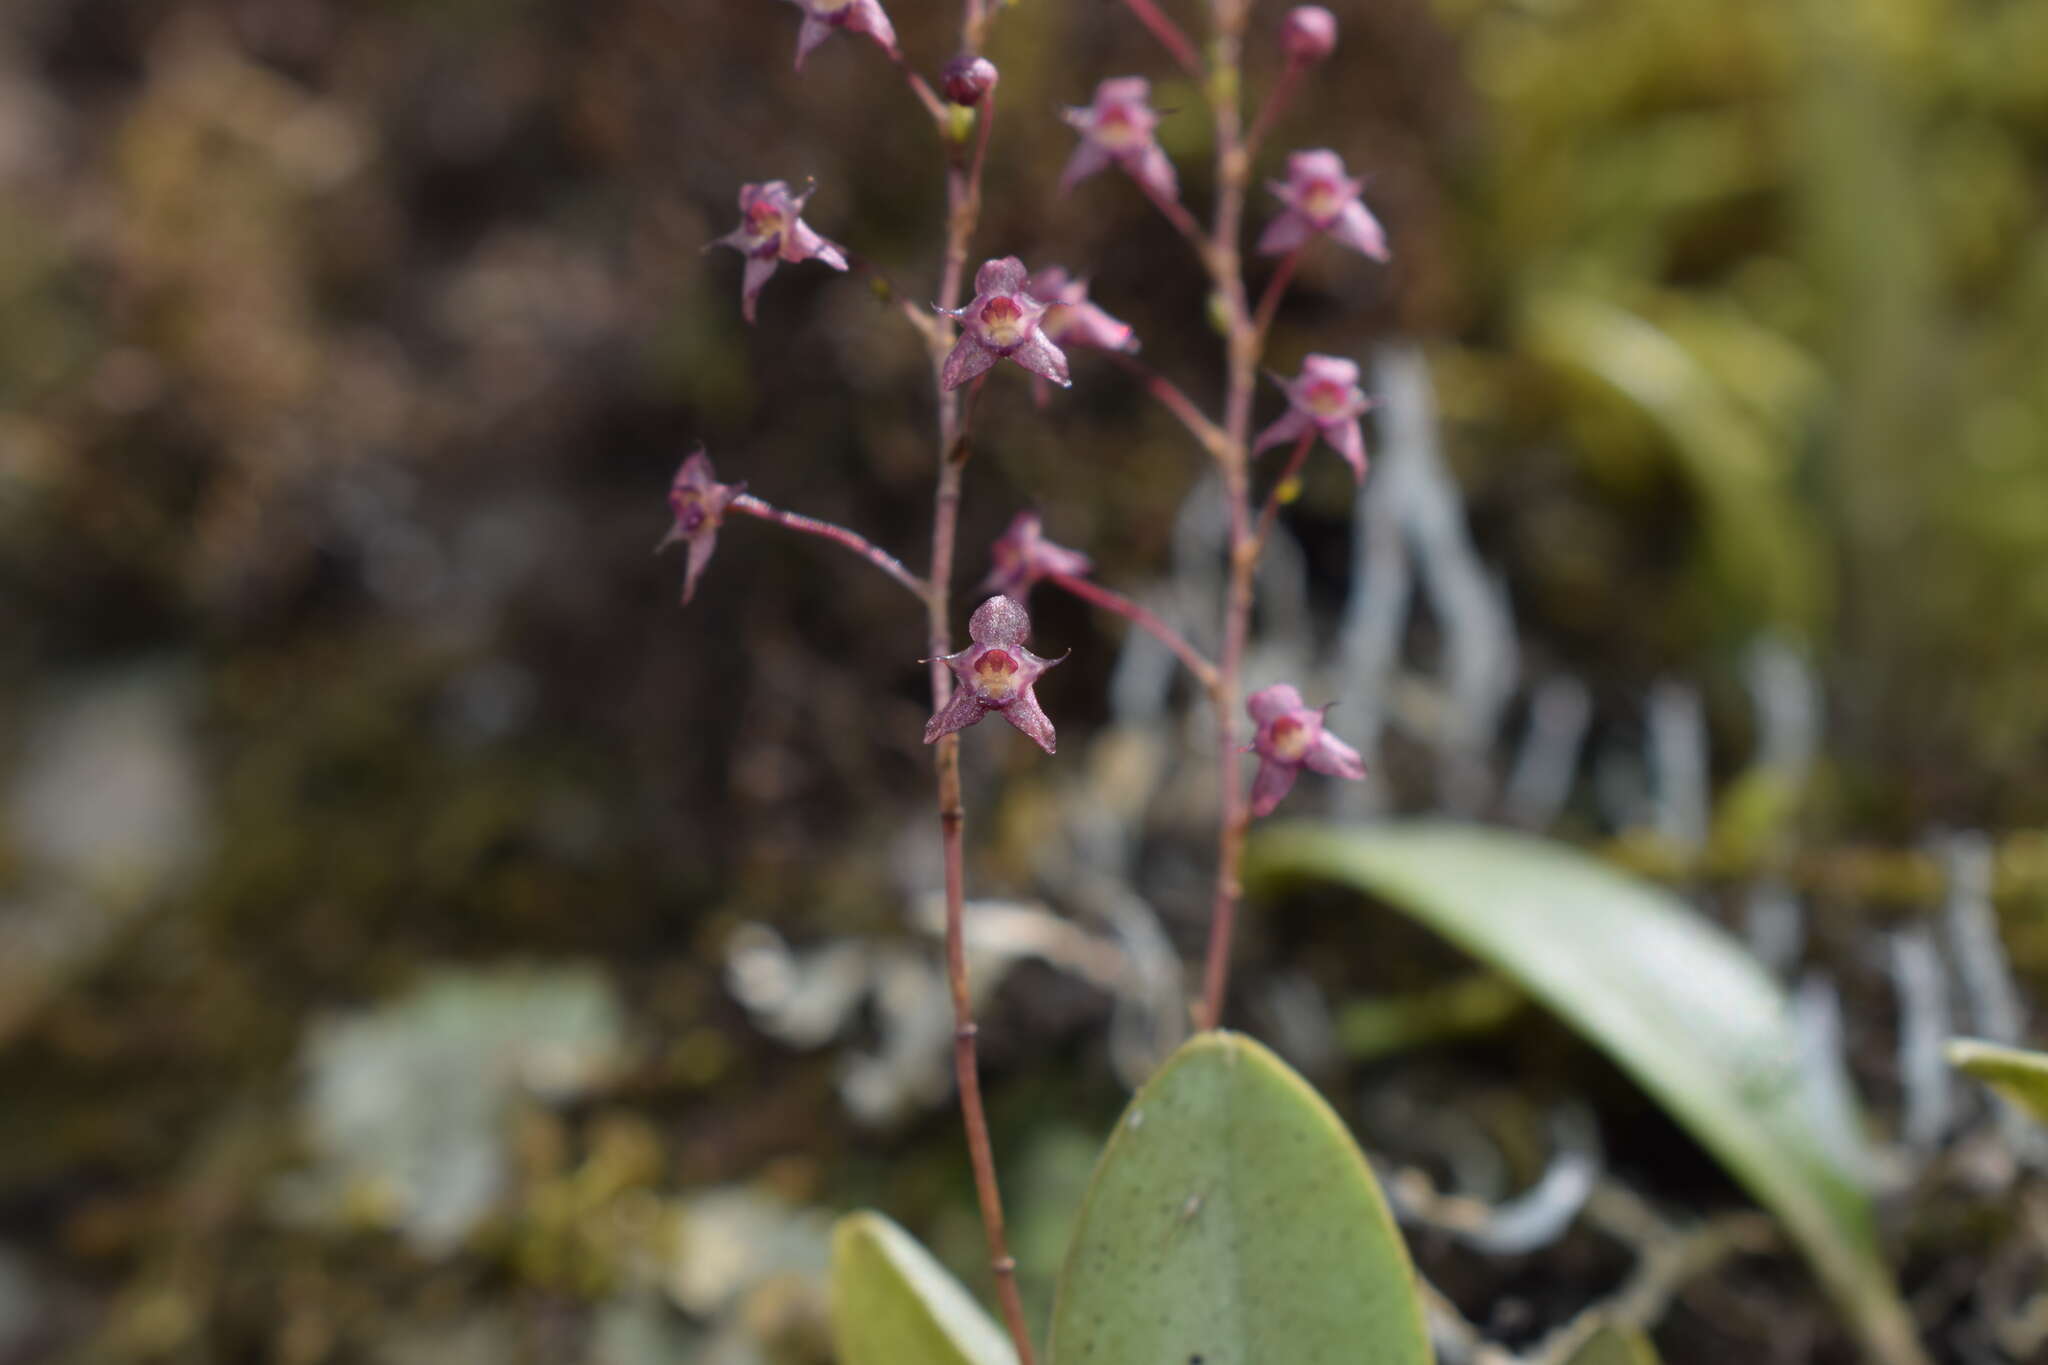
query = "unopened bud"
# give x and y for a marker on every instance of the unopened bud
(1309, 33)
(967, 79)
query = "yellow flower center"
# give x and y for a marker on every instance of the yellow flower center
(995, 676)
(1328, 398)
(1002, 323)
(1323, 200)
(1290, 739)
(1117, 129)
(764, 219)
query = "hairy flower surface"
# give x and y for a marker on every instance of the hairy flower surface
(855, 16)
(1323, 398)
(1291, 737)
(1022, 555)
(996, 673)
(771, 231)
(698, 500)
(1117, 129)
(1321, 197)
(1002, 322)
(1309, 33)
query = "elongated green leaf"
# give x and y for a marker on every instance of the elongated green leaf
(2019, 1075)
(1234, 1222)
(1611, 1345)
(1679, 1005)
(892, 1304)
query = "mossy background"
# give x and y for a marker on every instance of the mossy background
(346, 349)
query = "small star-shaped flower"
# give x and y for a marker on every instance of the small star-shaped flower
(1022, 555)
(1291, 737)
(698, 500)
(771, 231)
(996, 673)
(1002, 322)
(1321, 197)
(855, 16)
(1117, 129)
(1324, 398)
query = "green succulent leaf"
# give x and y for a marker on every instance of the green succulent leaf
(892, 1304)
(2019, 1075)
(1612, 1345)
(1233, 1221)
(1680, 1006)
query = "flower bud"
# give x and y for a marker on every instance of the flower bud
(1309, 34)
(966, 79)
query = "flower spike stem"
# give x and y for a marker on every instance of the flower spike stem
(921, 88)
(1269, 302)
(1095, 594)
(838, 535)
(1277, 100)
(1175, 401)
(963, 208)
(1282, 491)
(1176, 213)
(1168, 33)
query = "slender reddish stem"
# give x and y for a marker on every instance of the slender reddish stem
(919, 87)
(1269, 302)
(1197, 663)
(1176, 213)
(1276, 103)
(1282, 491)
(838, 535)
(1174, 400)
(963, 207)
(1168, 33)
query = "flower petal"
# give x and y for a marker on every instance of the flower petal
(1289, 428)
(1086, 161)
(813, 32)
(967, 360)
(1270, 703)
(1333, 757)
(1348, 440)
(1028, 716)
(1289, 232)
(963, 710)
(1000, 623)
(1151, 168)
(759, 268)
(1043, 359)
(867, 16)
(1274, 781)
(1359, 230)
(701, 546)
(1006, 275)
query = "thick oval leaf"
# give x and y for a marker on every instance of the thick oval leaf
(1234, 1222)
(1611, 1345)
(2019, 1075)
(1685, 1010)
(892, 1304)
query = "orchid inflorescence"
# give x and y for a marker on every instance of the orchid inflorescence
(1033, 319)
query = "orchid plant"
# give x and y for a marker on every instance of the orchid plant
(1031, 317)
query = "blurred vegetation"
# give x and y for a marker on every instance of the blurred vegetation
(346, 349)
